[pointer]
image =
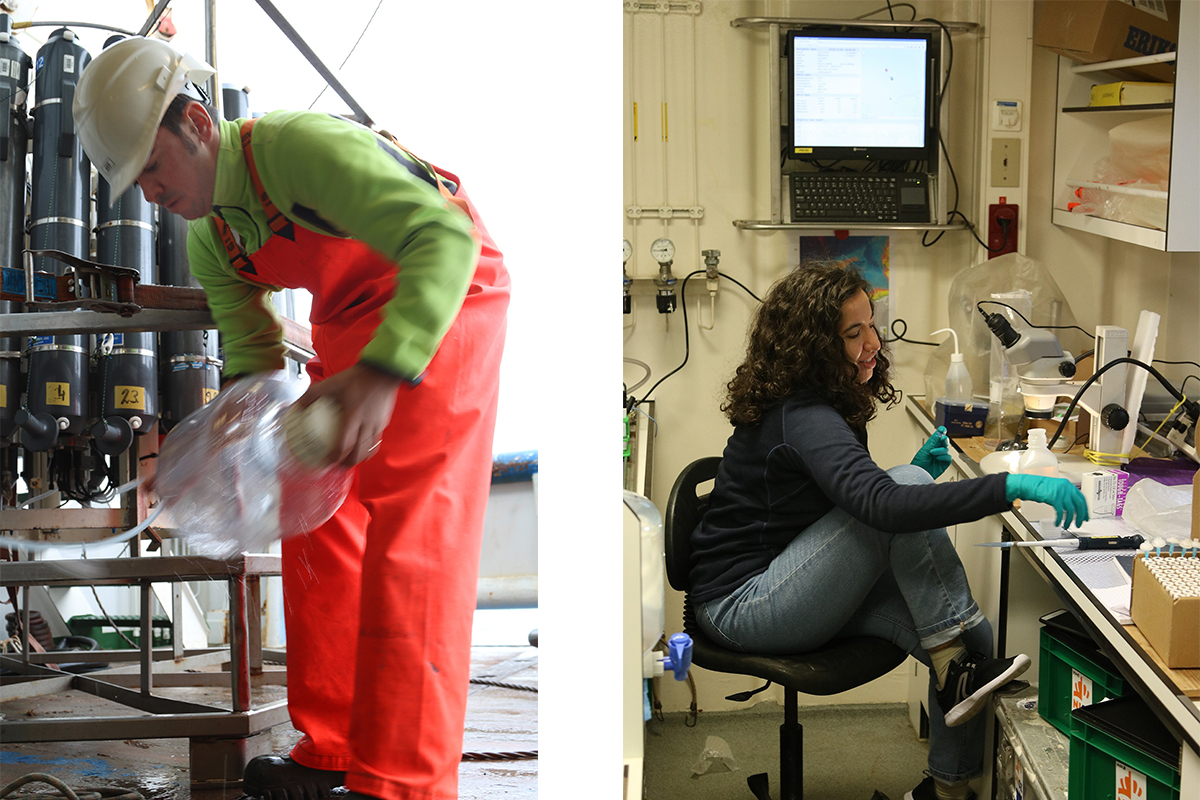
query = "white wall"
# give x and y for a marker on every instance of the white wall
(714, 79)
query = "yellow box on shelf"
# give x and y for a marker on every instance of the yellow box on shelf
(1131, 93)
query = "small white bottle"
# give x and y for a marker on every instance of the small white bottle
(1037, 458)
(959, 388)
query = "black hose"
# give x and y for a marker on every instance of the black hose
(1191, 406)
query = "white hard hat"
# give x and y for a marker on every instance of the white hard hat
(120, 101)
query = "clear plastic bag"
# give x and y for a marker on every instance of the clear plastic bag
(717, 756)
(1158, 510)
(1022, 283)
(228, 480)
(1138, 170)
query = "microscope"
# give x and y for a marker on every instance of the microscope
(1044, 371)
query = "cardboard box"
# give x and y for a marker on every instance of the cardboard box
(1099, 489)
(1170, 623)
(1131, 93)
(1105, 490)
(1196, 507)
(1089, 31)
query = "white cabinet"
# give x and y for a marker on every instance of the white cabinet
(1082, 139)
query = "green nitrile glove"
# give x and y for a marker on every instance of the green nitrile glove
(934, 455)
(1069, 505)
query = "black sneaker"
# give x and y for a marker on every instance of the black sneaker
(970, 680)
(280, 778)
(927, 791)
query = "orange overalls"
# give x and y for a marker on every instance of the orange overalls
(379, 600)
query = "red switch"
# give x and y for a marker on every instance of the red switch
(1002, 228)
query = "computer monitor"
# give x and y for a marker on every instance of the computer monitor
(862, 94)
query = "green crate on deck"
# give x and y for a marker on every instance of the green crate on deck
(1120, 749)
(98, 628)
(1071, 665)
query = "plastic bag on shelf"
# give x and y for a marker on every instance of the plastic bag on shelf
(1139, 161)
(228, 479)
(1141, 150)
(1146, 212)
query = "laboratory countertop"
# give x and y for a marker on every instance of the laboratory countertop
(1176, 690)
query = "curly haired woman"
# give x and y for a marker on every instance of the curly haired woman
(807, 539)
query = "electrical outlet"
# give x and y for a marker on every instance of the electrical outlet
(1006, 162)
(996, 234)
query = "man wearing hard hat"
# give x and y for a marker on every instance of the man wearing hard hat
(409, 299)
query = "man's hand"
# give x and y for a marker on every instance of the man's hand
(366, 398)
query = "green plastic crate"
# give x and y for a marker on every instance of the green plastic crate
(97, 628)
(1119, 747)
(1069, 664)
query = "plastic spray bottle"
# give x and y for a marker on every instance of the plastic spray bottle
(958, 380)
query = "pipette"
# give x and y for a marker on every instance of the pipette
(1083, 543)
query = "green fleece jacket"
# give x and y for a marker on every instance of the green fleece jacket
(334, 177)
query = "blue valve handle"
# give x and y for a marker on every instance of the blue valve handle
(679, 655)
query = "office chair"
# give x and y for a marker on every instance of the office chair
(836, 667)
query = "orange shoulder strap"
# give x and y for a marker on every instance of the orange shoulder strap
(450, 199)
(276, 221)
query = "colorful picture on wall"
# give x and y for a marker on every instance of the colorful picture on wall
(867, 254)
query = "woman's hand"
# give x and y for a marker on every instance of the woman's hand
(365, 398)
(934, 455)
(1070, 507)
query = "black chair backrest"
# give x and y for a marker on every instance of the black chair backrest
(684, 510)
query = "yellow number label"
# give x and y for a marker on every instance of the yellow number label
(133, 397)
(58, 394)
(3, 395)
(209, 394)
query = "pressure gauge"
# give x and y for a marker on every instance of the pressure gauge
(626, 250)
(663, 251)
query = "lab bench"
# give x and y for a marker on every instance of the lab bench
(1016, 586)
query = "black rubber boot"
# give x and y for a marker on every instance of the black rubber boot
(280, 778)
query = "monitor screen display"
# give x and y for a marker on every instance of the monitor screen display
(856, 95)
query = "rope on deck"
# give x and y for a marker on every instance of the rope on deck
(87, 793)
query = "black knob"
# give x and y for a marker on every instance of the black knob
(1114, 417)
(1066, 369)
(666, 303)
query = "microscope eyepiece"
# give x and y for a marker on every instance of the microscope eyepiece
(1004, 331)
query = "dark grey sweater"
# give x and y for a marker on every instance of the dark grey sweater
(780, 476)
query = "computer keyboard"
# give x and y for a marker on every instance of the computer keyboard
(859, 197)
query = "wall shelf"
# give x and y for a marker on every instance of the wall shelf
(1119, 109)
(767, 225)
(1082, 139)
(1146, 237)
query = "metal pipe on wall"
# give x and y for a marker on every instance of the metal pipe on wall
(210, 52)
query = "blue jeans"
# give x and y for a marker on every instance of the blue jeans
(840, 578)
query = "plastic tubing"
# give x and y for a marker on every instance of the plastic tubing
(41, 547)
